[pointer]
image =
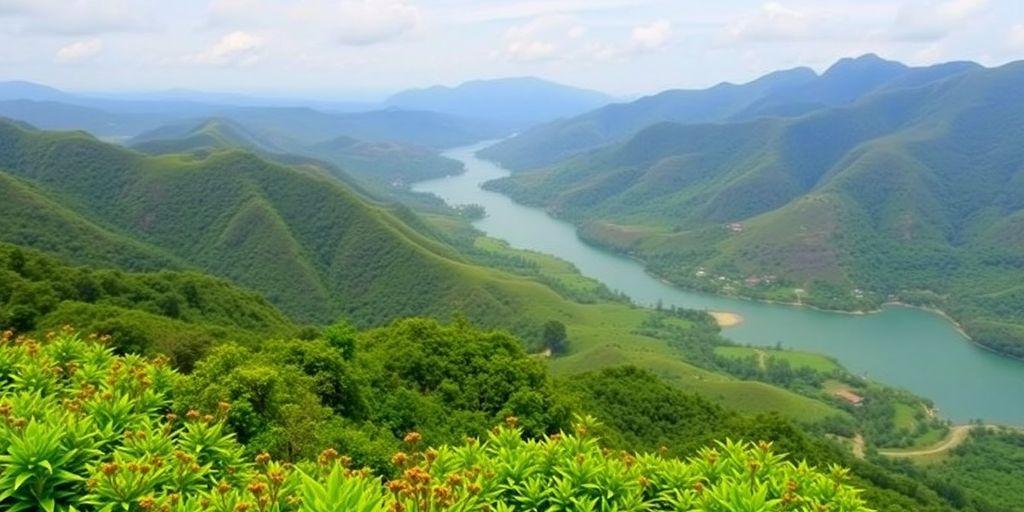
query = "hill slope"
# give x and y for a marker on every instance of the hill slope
(784, 93)
(379, 164)
(312, 246)
(913, 193)
(179, 314)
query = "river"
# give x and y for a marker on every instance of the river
(906, 347)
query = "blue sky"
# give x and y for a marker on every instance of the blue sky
(342, 48)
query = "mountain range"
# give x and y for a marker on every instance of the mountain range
(787, 93)
(907, 187)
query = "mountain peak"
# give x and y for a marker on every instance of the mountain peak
(865, 63)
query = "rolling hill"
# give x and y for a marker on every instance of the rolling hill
(522, 102)
(781, 94)
(176, 313)
(380, 165)
(911, 194)
(314, 247)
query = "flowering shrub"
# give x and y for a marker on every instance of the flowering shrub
(82, 429)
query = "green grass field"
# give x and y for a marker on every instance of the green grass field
(798, 359)
(561, 271)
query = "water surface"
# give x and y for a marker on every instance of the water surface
(905, 347)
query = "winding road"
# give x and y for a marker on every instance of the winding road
(957, 435)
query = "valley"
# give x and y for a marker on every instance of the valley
(901, 346)
(413, 256)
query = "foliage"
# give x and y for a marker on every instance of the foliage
(311, 245)
(469, 379)
(83, 429)
(990, 465)
(179, 314)
(555, 338)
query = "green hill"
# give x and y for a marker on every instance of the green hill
(912, 194)
(179, 314)
(208, 135)
(781, 94)
(314, 247)
(379, 165)
(384, 163)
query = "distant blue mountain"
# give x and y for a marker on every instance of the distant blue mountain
(522, 101)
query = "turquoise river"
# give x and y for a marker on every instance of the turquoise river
(911, 348)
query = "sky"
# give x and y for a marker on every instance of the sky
(363, 49)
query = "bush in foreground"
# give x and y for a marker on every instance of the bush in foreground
(82, 429)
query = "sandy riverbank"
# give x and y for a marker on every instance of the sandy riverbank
(726, 319)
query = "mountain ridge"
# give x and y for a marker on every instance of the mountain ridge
(909, 194)
(788, 93)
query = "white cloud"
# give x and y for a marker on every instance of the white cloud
(1016, 36)
(477, 11)
(931, 20)
(773, 22)
(529, 51)
(235, 49)
(78, 17)
(541, 38)
(652, 37)
(360, 22)
(562, 37)
(79, 51)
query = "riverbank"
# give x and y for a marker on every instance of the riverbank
(725, 319)
(882, 346)
(957, 326)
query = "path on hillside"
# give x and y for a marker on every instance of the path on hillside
(957, 435)
(858, 446)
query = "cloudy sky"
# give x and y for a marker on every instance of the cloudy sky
(348, 48)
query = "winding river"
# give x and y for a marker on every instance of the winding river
(906, 347)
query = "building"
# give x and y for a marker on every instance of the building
(849, 396)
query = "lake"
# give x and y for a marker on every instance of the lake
(905, 347)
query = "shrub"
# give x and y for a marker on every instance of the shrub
(83, 429)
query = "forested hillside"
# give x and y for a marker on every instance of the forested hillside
(911, 194)
(381, 165)
(788, 93)
(313, 247)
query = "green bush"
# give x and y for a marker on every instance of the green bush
(83, 429)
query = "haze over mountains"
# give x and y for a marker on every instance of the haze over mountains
(489, 108)
(523, 101)
(784, 93)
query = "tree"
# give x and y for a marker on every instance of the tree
(555, 338)
(342, 337)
